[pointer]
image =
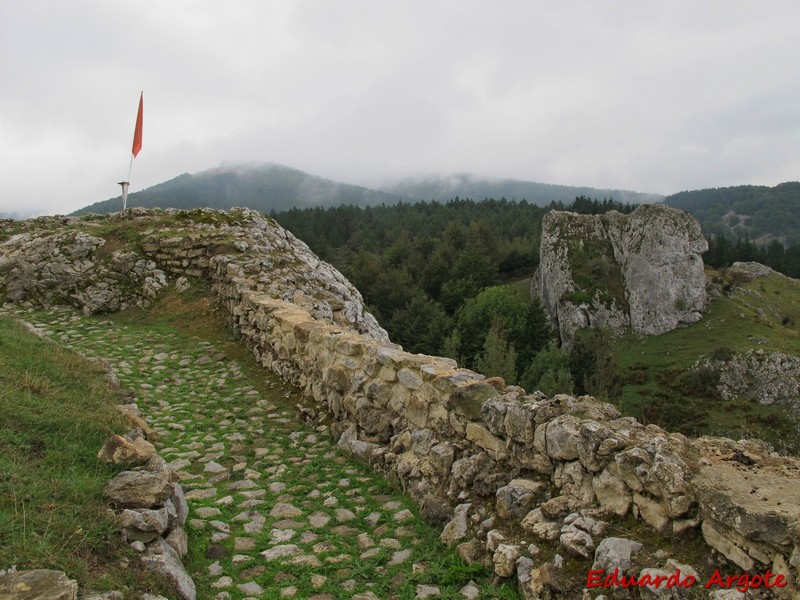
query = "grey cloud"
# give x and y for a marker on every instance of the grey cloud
(621, 94)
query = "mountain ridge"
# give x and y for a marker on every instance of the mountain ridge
(758, 212)
(445, 187)
(270, 187)
(264, 187)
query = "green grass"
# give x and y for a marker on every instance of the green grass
(58, 410)
(761, 315)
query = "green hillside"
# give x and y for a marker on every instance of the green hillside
(58, 409)
(758, 212)
(265, 188)
(664, 379)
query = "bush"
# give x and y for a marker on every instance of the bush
(636, 377)
(722, 354)
(701, 382)
(674, 413)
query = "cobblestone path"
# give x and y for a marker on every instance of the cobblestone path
(275, 510)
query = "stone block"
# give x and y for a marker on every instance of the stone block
(562, 435)
(505, 560)
(416, 411)
(143, 525)
(611, 492)
(458, 527)
(161, 558)
(519, 423)
(615, 553)
(652, 512)
(714, 537)
(41, 584)
(126, 450)
(411, 379)
(468, 400)
(515, 499)
(441, 458)
(139, 489)
(483, 438)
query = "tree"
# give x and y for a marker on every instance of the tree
(499, 359)
(549, 372)
(421, 326)
(524, 321)
(593, 366)
(474, 319)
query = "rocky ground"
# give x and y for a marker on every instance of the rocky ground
(275, 510)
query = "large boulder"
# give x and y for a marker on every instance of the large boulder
(642, 270)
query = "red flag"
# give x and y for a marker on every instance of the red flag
(137, 133)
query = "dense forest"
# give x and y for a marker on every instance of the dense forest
(450, 279)
(453, 279)
(756, 212)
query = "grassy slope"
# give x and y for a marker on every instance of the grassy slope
(58, 410)
(749, 316)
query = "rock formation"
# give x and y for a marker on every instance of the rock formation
(642, 270)
(88, 262)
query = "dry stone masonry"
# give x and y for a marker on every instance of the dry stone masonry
(496, 465)
(150, 505)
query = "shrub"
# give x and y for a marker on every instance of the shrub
(722, 354)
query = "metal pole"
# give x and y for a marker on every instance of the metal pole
(125, 196)
(124, 185)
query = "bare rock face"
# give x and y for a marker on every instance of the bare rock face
(56, 260)
(642, 270)
(56, 263)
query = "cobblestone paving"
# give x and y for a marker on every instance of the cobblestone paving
(276, 511)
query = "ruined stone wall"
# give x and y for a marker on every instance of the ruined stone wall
(492, 461)
(452, 436)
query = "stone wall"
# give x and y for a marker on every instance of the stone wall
(452, 436)
(492, 461)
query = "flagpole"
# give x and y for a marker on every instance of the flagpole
(137, 146)
(125, 184)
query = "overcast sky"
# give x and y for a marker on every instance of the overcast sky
(653, 97)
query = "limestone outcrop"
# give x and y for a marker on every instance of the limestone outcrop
(105, 264)
(643, 270)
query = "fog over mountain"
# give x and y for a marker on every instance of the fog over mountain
(466, 185)
(270, 187)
